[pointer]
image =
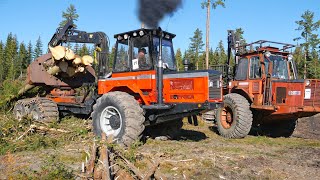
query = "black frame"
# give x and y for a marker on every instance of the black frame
(151, 33)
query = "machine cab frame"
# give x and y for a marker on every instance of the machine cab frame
(127, 51)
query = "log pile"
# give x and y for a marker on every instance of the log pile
(65, 60)
(106, 163)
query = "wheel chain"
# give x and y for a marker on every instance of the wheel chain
(47, 107)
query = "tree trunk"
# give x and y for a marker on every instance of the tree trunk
(207, 34)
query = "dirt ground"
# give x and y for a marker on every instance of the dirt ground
(198, 154)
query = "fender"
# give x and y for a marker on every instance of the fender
(243, 93)
(130, 89)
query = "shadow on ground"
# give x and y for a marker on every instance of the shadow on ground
(191, 135)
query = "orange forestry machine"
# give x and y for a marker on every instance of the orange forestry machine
(146, 89)
(263, 92)
(143, 89)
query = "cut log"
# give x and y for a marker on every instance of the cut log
(80, 69)
(69, 54)
(87, 60)
(105, 158)
(63, 65)
(71, 71)
(53, 70)
(58, 52)
(77, 60)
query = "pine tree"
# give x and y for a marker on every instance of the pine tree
(308, 29)
(206, 4)
(84, 50)
(1, 60)
(38, 49)
(29, 53)
(179, 60)
(222, 53)
(70, 13)
(202, 61)
(76, 48)
(298, 56)
(211, 58)
(23, 55)
(196, 47)
(239, 33)
(216, 57)
(10, 54)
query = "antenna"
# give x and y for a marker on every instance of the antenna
(168, 23)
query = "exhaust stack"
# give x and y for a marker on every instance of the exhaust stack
(160, 70)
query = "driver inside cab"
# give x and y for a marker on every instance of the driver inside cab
(141, 62)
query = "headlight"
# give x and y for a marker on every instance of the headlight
(308, 82)
(210, 83)
(120, 38)
(267, 54)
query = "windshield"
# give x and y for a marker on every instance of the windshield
(280, 66)
(167, 53)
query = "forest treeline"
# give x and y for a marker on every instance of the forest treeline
(15, 56)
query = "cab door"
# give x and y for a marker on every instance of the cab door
(255, 79)
(241, 80)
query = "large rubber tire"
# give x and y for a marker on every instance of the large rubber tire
(235, 119)
(125, 117)
(283, 128)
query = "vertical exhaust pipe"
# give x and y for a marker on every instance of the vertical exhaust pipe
(160, 70)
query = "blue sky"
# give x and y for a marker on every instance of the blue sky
(271, 20)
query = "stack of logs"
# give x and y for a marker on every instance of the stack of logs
(65, 60)
(106, 163)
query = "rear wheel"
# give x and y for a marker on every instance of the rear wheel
(283, 128)
(43, 109)
(119, 115)
(234, 120)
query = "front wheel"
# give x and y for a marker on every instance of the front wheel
(119, 115)
(234, 120)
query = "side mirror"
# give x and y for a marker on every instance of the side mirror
(186, 64)
(165, 66)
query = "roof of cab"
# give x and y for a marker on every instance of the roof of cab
(146, 31)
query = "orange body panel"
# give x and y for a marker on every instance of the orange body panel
(64, 96)
(291, 102)
(177, 88)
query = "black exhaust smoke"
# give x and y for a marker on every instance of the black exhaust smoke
(152, 11)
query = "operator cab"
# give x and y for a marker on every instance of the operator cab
(266, 61)
(138, 50)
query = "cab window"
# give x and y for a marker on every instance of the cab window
(140, 54)
(255, 68)
(121, 63)
(167, 53)
(242, 69)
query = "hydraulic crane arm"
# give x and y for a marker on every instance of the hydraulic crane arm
(68, 33)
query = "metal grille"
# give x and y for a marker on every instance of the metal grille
(215, 87)
(315, 94)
